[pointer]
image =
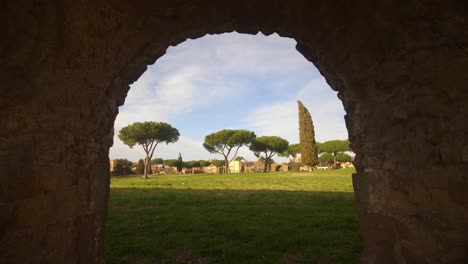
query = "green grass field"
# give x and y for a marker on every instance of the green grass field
(306, 217)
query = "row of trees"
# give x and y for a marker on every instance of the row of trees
(126, 167)
(333, 151)
(328, 152)
(227, 143)
(186, 164)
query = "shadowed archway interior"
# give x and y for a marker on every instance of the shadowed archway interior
(399, 69)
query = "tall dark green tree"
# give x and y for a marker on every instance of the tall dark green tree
(309, 155)
(180, 163)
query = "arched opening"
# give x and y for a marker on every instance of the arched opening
(400, 71)
(269, 77)
(229, 81)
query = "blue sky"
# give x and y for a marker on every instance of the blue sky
(232, 81)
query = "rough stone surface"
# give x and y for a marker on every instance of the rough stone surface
(400, 68)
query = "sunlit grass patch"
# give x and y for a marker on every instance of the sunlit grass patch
(305, 217)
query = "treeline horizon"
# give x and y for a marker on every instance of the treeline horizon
(227, 142)
(322, 148)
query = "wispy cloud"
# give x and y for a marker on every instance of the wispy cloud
(180, 91)
(281, 118)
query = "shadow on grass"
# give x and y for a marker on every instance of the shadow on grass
(156, 225)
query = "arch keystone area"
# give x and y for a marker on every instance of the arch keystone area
(400, 69)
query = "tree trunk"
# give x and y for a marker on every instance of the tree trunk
(149, 171)
(226, 165)
(266, 164)
(146, 168)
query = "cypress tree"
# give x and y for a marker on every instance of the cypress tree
(309, 155)
(180, 163)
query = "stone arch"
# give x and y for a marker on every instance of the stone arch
(399, 68)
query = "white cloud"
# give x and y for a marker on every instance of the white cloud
(189, 87)
(239, 55)
(181, 91)
(278, 119)
(281, 119)
(268, 57)
(198, 73)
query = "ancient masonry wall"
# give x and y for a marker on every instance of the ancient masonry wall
(400, 70)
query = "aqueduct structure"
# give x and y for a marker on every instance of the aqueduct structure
(400, 69)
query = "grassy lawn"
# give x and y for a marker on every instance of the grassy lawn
(306, 217)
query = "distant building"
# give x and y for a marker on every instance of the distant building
(211, 169)
(297, 159)
(112, 164)
(279, 167)
(253, 166)
(236, 166)
(158, 169)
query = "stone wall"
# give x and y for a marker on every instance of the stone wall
(400, 68)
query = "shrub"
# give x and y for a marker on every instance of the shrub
(122, 167)
(140, 169)
(341, 157)
(326, 158)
